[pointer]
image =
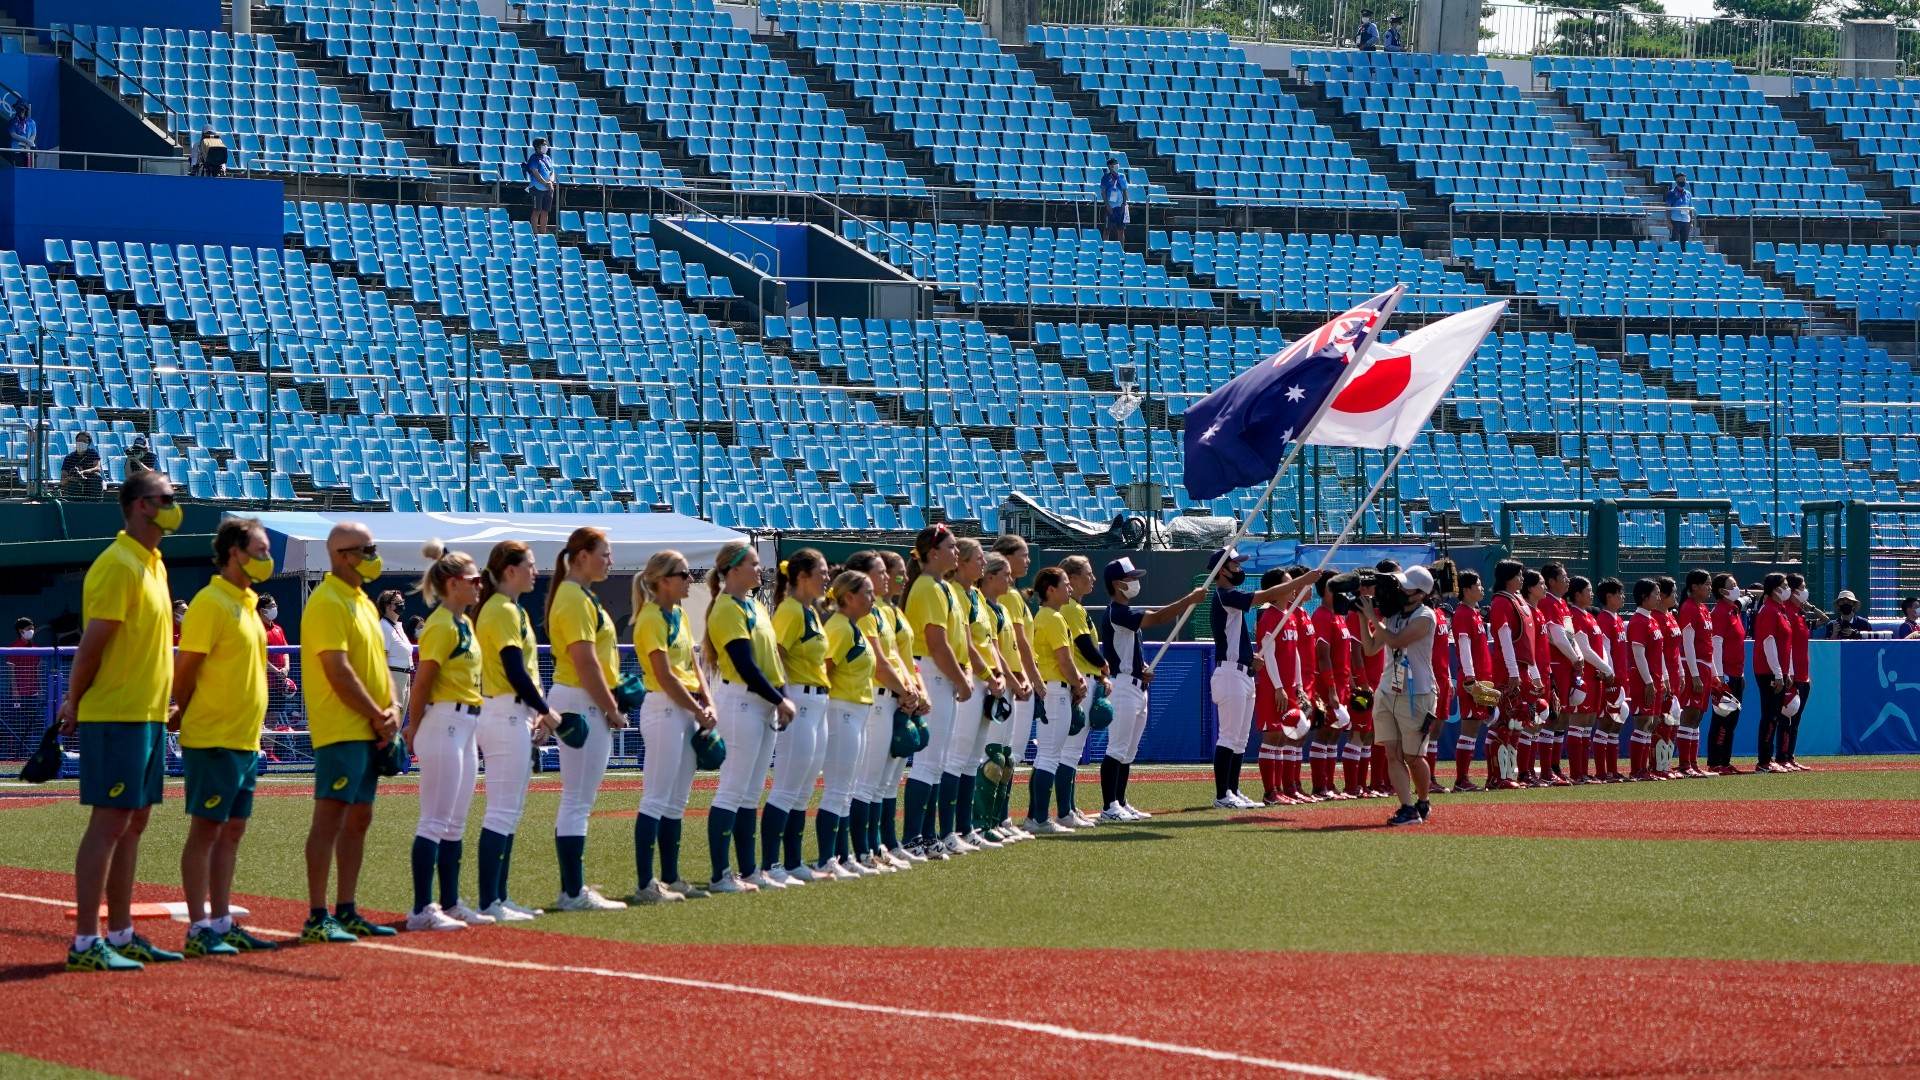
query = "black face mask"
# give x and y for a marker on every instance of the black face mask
(1234, 578)
(1845, 611)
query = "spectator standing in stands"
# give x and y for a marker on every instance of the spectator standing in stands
(1368, 39)
(25, 717)
(1393, 41)
(80, 470)
(209, 155)
(23, 135)
(1113, 202)
(542, 185)
(1847, 623)
(1679, 200)
(1909, 619)
(399, 645)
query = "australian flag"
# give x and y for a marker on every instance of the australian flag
(1237, 435)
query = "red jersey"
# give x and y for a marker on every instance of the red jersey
(1554, 612)
(1797, 626)
(1542, 645)
(1298, 662)
(1586, 630)
(1614, 629)
(1371, 667)
(1470, 637)
(1695, 629)
(1334, 679)
(1644, 643)
(1729, 632)
(1442, 662)
(1771, 626)
(1510, 625)
(1670, 648)
(1270, 665)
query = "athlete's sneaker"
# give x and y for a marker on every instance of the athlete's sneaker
(1139, 814)
(763, 880)
(655, 893)
(588, 899)
(982, 840)
(357, 925)
(1465, 787)
(469, 916)
(1113, 815)
(1425, 808)
(325, 930)
(802, 874)
(521, 909)
(501, 913)
(100, 956)
(897, 861)
(432, 918)
(873, 864)
(840, 871)
(1245, 803)
(779, 876)
(729, 882)
(1047, 828)
(146, 952)
(1406, 815)
(907, 854)
(206, 941)
(852, 865)
(1080, 820)
(688, 891)
(241, 941)
(1226, 802)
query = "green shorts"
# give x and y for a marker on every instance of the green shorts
(220, 782)
(122, 765)
(345, 771)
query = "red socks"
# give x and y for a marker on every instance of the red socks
(1526, 758)
(1380, 780)
(1577, 752)
(1462, 759)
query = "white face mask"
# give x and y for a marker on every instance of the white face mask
(270, 613)
(27, 634)
(1126, 590)
(1730, 594)
(1782, 594)
(1800, 595)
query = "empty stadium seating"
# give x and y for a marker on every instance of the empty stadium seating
(1701, 119)
(1825, 385)
(1200, 102)
(1880, 116)
(1877, 281)
(274, 115)
(1623, 278)
(995, 264)
(1296, 272)
(1462, 127)
(477, 89)
(947, 84)
(708, 82)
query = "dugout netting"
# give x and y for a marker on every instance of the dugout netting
(1870, 548)
(1624, 538)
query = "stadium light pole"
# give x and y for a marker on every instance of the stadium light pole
(466, 437)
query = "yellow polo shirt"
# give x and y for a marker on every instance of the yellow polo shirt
(796, 628)
(447, 639)
(851, 649)
(932, 602)
(1078, 622)
(230, 692)
(903, 646)
(127, 584)
(578, 616)
(734, 618)
(982, 627)
(1049, 634)
(1009, 613)
(660, 630)
(503, 624)
(340, 618)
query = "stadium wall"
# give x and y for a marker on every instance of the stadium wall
(174, 14)
(36, 78)
(37, 205)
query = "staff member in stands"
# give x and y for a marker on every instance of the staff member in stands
(878, 770)
(968, 747)
(799, 750)
(751, 703)
(1727, 658)
(220, 687)
(117, 701)
(543, 185)
(514, 709)
(677, 705)
(1113, 202)
(399, 646)
(352, 719)
(586, 665)
(939, 627)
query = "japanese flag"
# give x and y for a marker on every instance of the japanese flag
(1388, 400)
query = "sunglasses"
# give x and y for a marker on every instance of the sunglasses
(369, 550)
(686, 574)
(163, 500)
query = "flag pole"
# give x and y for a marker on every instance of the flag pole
(1300, 597)
(1293, 450)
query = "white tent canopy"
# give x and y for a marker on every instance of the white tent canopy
(299, 538)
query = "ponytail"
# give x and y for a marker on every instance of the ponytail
(443, 566)
(646, 583)
(924, 544)
(804, 561)
(505, 555)
(729, 556)
(584, 538)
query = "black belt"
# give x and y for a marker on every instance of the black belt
(807, 688)
(461, 706)
(401, 670)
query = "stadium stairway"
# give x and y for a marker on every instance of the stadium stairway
(374, 106)
(1605, 153)
(89, 68)
(1429, 221)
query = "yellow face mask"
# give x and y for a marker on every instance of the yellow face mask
(259, 570)
(370, 568)
(168, 519)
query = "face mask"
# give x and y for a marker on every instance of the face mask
(1782, 593)
(259, 570)
(27, 634)
(1845, 610)
(1730, 594)
(83, 447)
(1235, 577)
(370, 568)
(269, 613)
(1126, 590)
(1800, 595)
(168, 519)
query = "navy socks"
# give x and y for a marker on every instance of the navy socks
(450, 853)
(775, 830)
(646, 830)
(796, 837)
(743, 822)
(949, 793)
(918, 793)
(889, 813)
(1039, 787)
(493, 849)
(572, 851)
(669, 850)
(827, 832)
(426, 854)
(719, 827)
(1063, 778)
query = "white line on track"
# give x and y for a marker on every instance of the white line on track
(1056, 1031)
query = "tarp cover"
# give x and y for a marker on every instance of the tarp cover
(299, 538)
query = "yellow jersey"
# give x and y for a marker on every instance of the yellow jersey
(230, 692)
(850, 648)
(1078, 623)
(664, 630)
(796, 628)
(931, 602)
(1050, 634)
(578, 616)
(1004, 625)
(127, 584)
(743, 618)
(982, 627)
(503, 624)
(339, 618)
(447, 639)
(903, 645)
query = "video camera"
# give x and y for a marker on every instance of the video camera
(1389, 599)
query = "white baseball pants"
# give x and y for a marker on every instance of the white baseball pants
(928, 763)
(667, 778)
(449, 763)
(505, 737)
(846, 746)
(1232, 688)
(746, 722)
(1051, 739)
(582, 769)
(799, 752)
(1129, 703)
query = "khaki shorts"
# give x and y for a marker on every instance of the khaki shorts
(1397, 718)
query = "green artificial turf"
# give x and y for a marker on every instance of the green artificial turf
(1189, 879)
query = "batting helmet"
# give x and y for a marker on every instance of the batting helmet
(1100, 712)
(709, 749)
(572, 730)
(391, 760)
(629, 692)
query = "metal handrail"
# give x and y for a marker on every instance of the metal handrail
(175, 125)
(772, 269)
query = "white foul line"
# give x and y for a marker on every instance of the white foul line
(1055, 1030)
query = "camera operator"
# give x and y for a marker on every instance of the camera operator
(1847, 623)
(1404, 701)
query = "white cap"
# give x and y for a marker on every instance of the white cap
(1416, 579)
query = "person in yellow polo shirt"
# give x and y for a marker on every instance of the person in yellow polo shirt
(586, 667)
(939, 622)
(800, 750)
(352, 720)
(982, 797)
(677, 706)
(967, 750)
(514, 710)
(443, 717)
(1019, 656)
(1061, 687)
(751, 703)
(906, 662)
(220, 686)
(117, 702)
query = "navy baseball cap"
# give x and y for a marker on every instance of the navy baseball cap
(1122, 569)
(1225, 554)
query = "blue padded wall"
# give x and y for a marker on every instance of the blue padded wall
(36, 78)
(177, 14)
(41, 204)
